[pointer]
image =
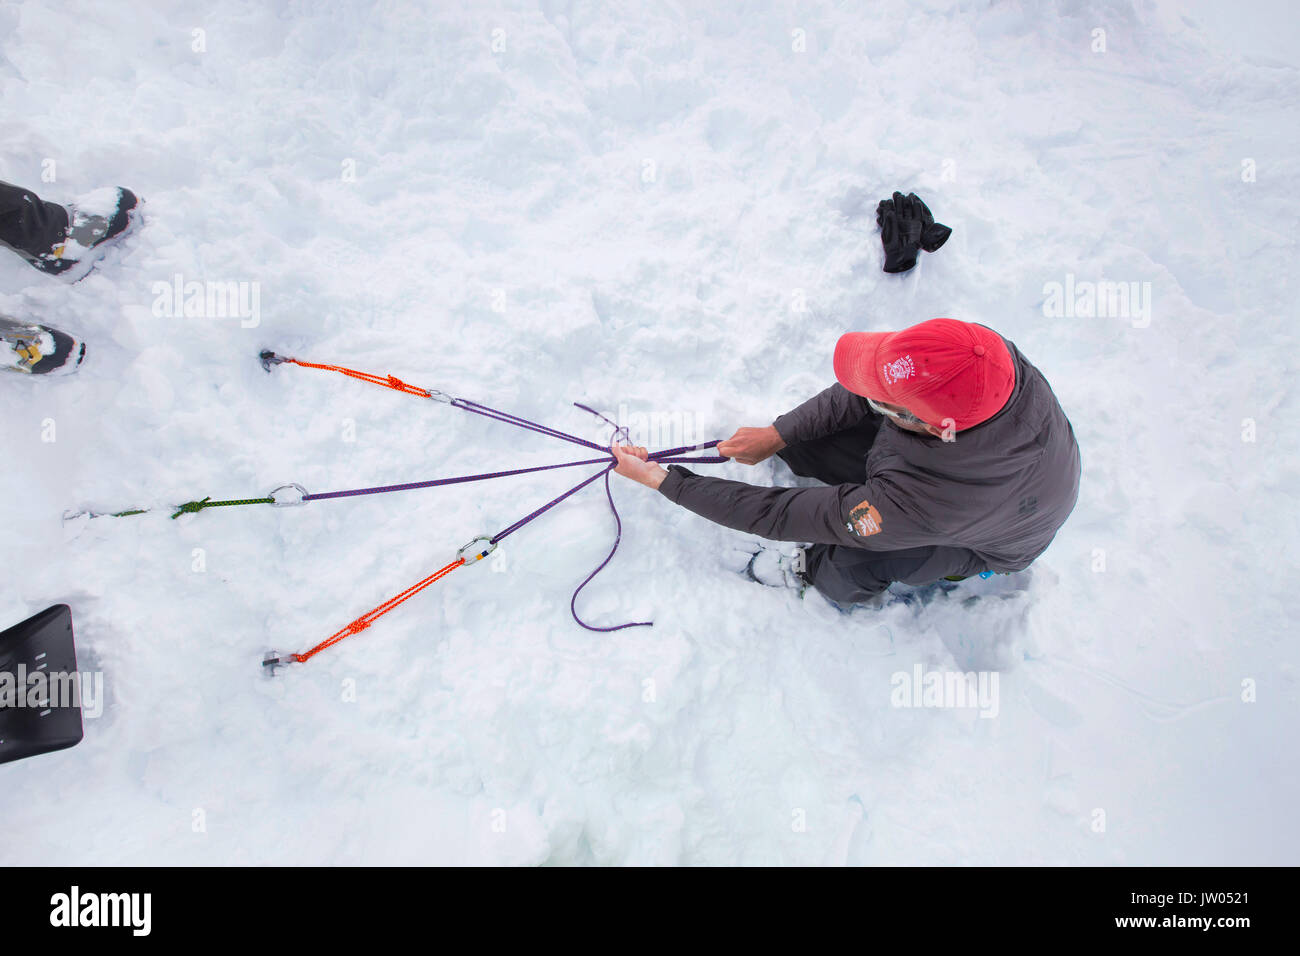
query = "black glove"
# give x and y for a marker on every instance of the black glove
(901, 237)
(933, 234)
(906, 226)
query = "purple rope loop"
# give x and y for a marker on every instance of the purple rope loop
(618, 537)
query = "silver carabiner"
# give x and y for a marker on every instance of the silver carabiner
(302, 494)
(481, 553)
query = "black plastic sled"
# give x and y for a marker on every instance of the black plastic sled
(38, 713)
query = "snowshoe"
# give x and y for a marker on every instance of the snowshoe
(771, 567)
(38, 350)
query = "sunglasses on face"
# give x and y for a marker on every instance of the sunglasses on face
(906, 418)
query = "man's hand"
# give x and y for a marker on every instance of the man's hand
(632, 464)
(749, 446)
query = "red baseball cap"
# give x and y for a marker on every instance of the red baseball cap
(939, 370)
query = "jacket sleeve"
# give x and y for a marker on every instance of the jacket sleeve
(874, 516)
(830, 410)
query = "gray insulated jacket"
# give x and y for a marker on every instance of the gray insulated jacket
(1001, 489)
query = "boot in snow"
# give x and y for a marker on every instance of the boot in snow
(93, 220)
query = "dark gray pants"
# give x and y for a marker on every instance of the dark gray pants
(849, 575)
(28, 224)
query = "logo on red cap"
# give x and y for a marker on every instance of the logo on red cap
(898, 370)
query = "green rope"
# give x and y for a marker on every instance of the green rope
(193, 507)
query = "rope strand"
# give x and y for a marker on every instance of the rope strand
(365, 620)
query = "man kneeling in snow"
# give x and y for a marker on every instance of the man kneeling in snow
(945, 452)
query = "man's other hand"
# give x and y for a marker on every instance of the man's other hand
(632, 464)
(749, 446)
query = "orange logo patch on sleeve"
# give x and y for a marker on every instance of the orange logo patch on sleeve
(864, 520)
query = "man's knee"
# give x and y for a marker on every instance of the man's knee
(836, 575)
(801, 460)
(836, 459)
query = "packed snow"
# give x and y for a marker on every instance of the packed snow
(666, 212)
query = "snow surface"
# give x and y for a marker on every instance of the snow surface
(627, 205)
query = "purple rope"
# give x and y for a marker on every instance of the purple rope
(410, 486)
(505, 533)
(618, 429)
(618, 537)
(508, 418)
(666, 456)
